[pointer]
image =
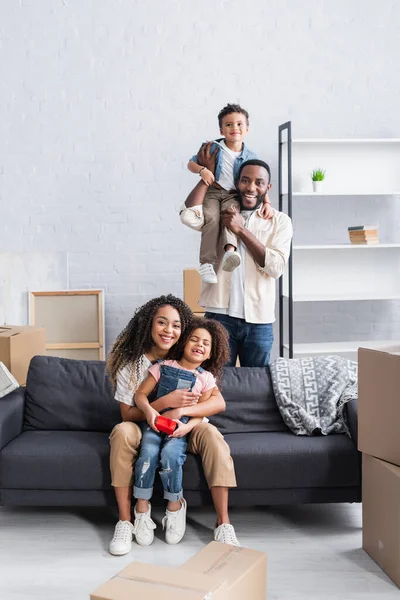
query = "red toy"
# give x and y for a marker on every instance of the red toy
(165, 425)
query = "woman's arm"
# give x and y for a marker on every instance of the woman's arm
(212, 404)
(176, 399)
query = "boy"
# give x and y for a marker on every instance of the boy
(221, 194)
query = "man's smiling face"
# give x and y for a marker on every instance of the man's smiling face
(252, 186)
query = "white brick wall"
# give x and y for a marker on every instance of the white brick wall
(102, 103)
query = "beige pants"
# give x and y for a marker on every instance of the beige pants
(204, 439)
(215, 202)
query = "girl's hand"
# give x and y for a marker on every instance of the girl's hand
(181, 429)
(151, 416)
(174, 414)
(207, 176)
(182, 398)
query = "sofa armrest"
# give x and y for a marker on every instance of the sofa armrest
(351, 416)
(11, 415)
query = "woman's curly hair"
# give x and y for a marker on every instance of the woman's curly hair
(135, 340)
(220, 352)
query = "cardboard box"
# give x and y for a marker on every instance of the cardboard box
(139, 580)
(379, 403)
(381, 514)
(243, 570)
(218, 571)
(191, 289)
(18, 344)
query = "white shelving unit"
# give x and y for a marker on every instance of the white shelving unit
(337, 272)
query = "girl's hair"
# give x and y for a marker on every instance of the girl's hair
(135, 340)
(220, 352)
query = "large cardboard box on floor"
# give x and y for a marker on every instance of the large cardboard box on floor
(218, 571)
(381, 514)
(191, 289)
(18, 344)
(379, 403)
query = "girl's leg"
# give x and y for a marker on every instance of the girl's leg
(173, 455)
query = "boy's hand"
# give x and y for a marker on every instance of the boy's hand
(207, 176)
(266, 210)
(151, 416)
(181, 429)
(207, 159)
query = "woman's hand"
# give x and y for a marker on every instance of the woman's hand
(174, 414)
(181, 429)
(181, 398)
(151, 416)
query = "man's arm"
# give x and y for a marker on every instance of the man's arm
(234, 221)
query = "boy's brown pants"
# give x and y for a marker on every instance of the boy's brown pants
(215, 202)
(204, 439)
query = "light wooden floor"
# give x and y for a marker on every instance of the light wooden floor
(314, 552)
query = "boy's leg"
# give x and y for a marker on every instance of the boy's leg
(124, 443)
(210, 230)
(229, 199)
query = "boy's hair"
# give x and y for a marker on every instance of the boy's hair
(232, 108)
(135, 340)
(220, 351)
(256, 162)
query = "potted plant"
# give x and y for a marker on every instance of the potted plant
(318, 176)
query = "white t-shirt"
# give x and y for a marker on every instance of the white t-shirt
(227, 179)
(126, 387)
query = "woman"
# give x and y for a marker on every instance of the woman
(149, 336)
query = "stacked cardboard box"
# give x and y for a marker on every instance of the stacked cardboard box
(18, 344)
(218, 571)
(191, 290)
(363, 234)
(378, 439)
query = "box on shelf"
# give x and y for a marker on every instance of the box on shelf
(378, 402)
(381, 514)
(218, 571)
(18, 344)
(191, 289)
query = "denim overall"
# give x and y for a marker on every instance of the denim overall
(158, 449)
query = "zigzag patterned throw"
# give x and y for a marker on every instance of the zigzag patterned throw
(312, 392)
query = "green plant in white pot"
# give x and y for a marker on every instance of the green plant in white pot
(318, 176)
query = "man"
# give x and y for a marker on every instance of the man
(244, 300)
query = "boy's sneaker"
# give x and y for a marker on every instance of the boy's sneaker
(143, 527)
(231, 260)
(122, 540)
(225, 534)
(207, 273)
(174, 524)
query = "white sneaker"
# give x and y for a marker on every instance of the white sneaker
(231, 260)
(143, 527)
(207, 273)
(174, 524)
(225, 534)
(122, 540)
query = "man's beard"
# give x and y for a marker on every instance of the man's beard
(260, 200)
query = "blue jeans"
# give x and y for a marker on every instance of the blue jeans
(252, 342)
(158, 449)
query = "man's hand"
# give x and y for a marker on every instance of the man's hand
(266, 210)
(151, 416)
(181, 429)
(182, 398)
(207, 176)
(206, 158)
(174, 414)
(232, 219)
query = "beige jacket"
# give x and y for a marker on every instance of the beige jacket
(259, 293)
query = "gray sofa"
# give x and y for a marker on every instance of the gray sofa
(54, 447)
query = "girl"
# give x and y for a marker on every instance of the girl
(206, 347)
(155, 328)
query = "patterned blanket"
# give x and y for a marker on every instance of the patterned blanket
(312, 392)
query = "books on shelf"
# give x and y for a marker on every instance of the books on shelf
(364, 234)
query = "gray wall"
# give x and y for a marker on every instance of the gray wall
(102, 103)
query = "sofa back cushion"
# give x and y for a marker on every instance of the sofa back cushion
(250, 402)
(66, 394)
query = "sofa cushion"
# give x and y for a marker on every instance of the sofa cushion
(250, 402)
(66, 394)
